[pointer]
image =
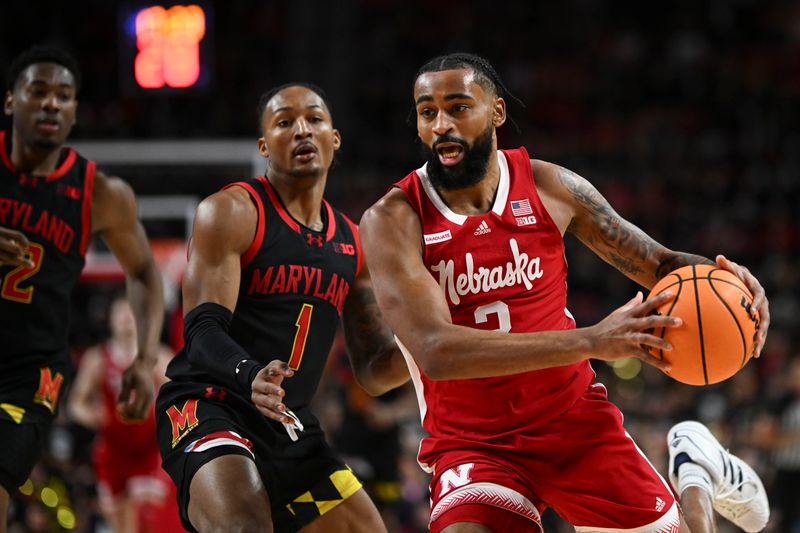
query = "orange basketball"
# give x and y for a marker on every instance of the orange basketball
(717, 336)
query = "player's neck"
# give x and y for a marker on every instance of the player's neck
(302, 197)
(476, 199)
(31, 160)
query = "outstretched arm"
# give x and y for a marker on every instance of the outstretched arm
(577, 207)
(418, 313)
(377, 363)
(114, 218)
(223, 230)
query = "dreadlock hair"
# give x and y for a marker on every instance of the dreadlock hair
(267, 96)
(485, 74)
(42, 54)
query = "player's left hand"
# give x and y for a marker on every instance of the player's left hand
(760, 302)
(136, 396)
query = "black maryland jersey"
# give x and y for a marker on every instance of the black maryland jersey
(293, 287)
(54, 214)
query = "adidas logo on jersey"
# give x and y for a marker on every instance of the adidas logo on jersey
(660, 504)
(483, 228)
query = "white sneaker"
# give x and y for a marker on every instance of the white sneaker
(738, 494)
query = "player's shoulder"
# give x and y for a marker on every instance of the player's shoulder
(231, 206)
(394, 205)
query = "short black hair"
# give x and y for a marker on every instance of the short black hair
(267, 96)
(42, 54)
(485, 74)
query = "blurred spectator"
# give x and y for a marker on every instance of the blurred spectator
(134, 493)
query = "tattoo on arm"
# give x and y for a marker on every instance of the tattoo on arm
(621, 243)
(366, 332)
(679, 260)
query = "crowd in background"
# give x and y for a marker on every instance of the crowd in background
(685, 120)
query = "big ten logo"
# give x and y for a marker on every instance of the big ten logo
(168, 42)
(343, 248)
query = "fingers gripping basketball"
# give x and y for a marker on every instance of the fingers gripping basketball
(719, 324)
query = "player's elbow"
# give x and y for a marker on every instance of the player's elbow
(381, 373)
(436, 358)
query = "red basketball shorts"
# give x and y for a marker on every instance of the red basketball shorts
(121, 469)
(582, 463)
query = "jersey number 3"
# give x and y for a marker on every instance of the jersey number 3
(10, 289)
(303, 324)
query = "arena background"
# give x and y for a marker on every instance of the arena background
(684, 114)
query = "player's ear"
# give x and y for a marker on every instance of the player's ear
(337, 140)
(262, 147)
(8, 103)
(499, 112)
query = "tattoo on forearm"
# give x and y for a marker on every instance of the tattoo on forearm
(679, 260)
(367, 332)
(622, 244)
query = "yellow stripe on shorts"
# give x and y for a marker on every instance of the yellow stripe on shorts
(327, 494)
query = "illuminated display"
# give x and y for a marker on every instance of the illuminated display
(166, 46)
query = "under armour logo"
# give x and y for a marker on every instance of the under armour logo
(32, 181)
(314, 239)
(219, 394)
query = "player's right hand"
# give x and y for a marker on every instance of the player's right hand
(627, 332)
(13, 248)
(267, 394)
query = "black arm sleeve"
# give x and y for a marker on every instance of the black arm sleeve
(209, 347)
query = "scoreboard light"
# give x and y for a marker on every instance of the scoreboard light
(166, 47)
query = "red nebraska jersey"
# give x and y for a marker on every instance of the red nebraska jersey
(503, 270)
(115, 432)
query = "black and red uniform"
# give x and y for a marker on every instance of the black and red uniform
(293, 286)
(54, 213)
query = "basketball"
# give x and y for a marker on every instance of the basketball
(717, 336)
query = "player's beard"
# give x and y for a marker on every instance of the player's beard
(472, 168)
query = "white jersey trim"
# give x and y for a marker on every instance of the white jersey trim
(500, 199)
(413, 370)
(669, 522)
(487, 493)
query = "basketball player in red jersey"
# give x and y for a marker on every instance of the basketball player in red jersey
(469, 248)
(134, 493)
(273, 270)
(52, 201)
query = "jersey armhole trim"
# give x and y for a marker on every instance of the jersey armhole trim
(545, 212)
(86, 208)
(331, 221)
(357, 239)
(4, 154)
(258, 239)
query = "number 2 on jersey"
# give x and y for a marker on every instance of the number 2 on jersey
(303, 324)
(10, 289)
(498, 308)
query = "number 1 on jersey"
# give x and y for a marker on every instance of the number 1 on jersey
(299, 345)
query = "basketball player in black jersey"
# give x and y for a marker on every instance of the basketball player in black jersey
(272, 268)
(52, 201)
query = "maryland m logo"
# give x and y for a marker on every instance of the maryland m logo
(49, 388)
(182, 421)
